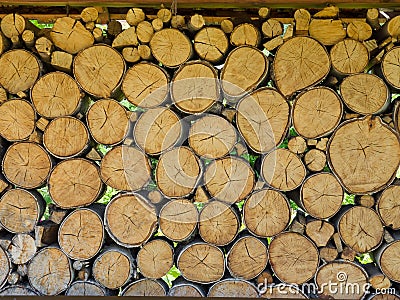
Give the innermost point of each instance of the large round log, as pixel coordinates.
(245, 34)
(5, 267)
(229, 179)
(391, 67)
(85, 288)
(364, 154)
(99, 70)
(293, 257)
(236, 288)
(388, 207)
(211, 44)
(17, 290)
(56, 94)
(349, 57)
(266, 213)
(75, 183)
(22, 248)
(121, 216)
(388, 260)
(185, 289)
(18, 120)
(145, 287)
(299, 63)
(26, 164)
(263, 119)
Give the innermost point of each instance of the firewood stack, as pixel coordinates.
(230, 152)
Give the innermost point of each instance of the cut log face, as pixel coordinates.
(245, 34)
(66, 137)
(13, 25)
(81, 234)
(85, 288)
(18, 120)
(75, 183)
(365, 93)
(341, 274)
(22, 248)
(50, 271)
(244, 69)
(26, 164)
(328, 32)
(384, 297)
(145, 85)
(155, 259)
(125, 168)
(290, 70)
(134, 16)
(178, 219)
(202, 263)
(320, 232)
(263, 119)
(349, 57)
(293, 257)
(20, 210)
(55, 95)
(107, 122)
(171, 47)
(234, 288)
(178, 172)
(359, 30)
(321, 195)
(247, 258)
(5, 268)
(283, 170)
(120, 216)
(212, 137)
(266, 213)
(15, 290)
(70, 35)
(145, 32)
(218, 223)
(113, 268)
(145, 287)
(388, 207)
(315, 160)
(229, 179)
(99, 70)
(20, 70)
(272, 28)
(185, 290)
(361, 229)
(389, 261)
(391, 67)
(211, 44)
(316, 112)
(153, 139)
(364, 154)
(126, 38)
(195, 87)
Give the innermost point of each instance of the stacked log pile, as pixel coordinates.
(229, 148)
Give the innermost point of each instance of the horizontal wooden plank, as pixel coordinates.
(210, 3)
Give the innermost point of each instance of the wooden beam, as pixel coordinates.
(211, 3)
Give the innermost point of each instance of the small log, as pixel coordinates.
(22, 248)
(46, 233)
(245, 34)
(328, 32)
(57, 214)
(328, 254)
(212, 137)
(262, 203)
(360, 229)
(196, 23)
(131, 54)
(99, 70)
(178, 22)
(185, 289)
(195, 87)
(388, 207)
(291, 252)
(390, 66)
(263, 12)
(74, 183)
(321, 195)
(89, 14)
(201, 263)
(387, 260)
(171, 47)
(373, 18)
(62, 61)
(274, 43)
(286, 175)
(98, 34)
(146, 85)
(81, 233)
(289, 33)
(234, 288)
(211, 44)
(70, 35)
(85, 288)
(365, 200)
(266, 110)
(13, 278)
(155, 197)
(134, 16)
(252, 72)
(272, 28)
(21, 74)
(359, 30)
(157, 24)
(377, 165)
(229, 179)
(28, 37)
(50, 271)
(155, 258)
(113, 267)
(297, 145)
(178, 219)
(17, 290)
(178, 172)
(114, 28)
(247, 257)
(227, 26)
(127, 38)
(107, 122)
(66, 137)
(289, 73)
(44, 47)
(200, 196)
(302, 20)
(315, 160)
(119, 216)
(146, 287)
(21, 210)
(330, 12)
(144, 52)
(3, 95)
(153, 139)
(26, 164)
(349, 57)
(164, 15)
(320, 232)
